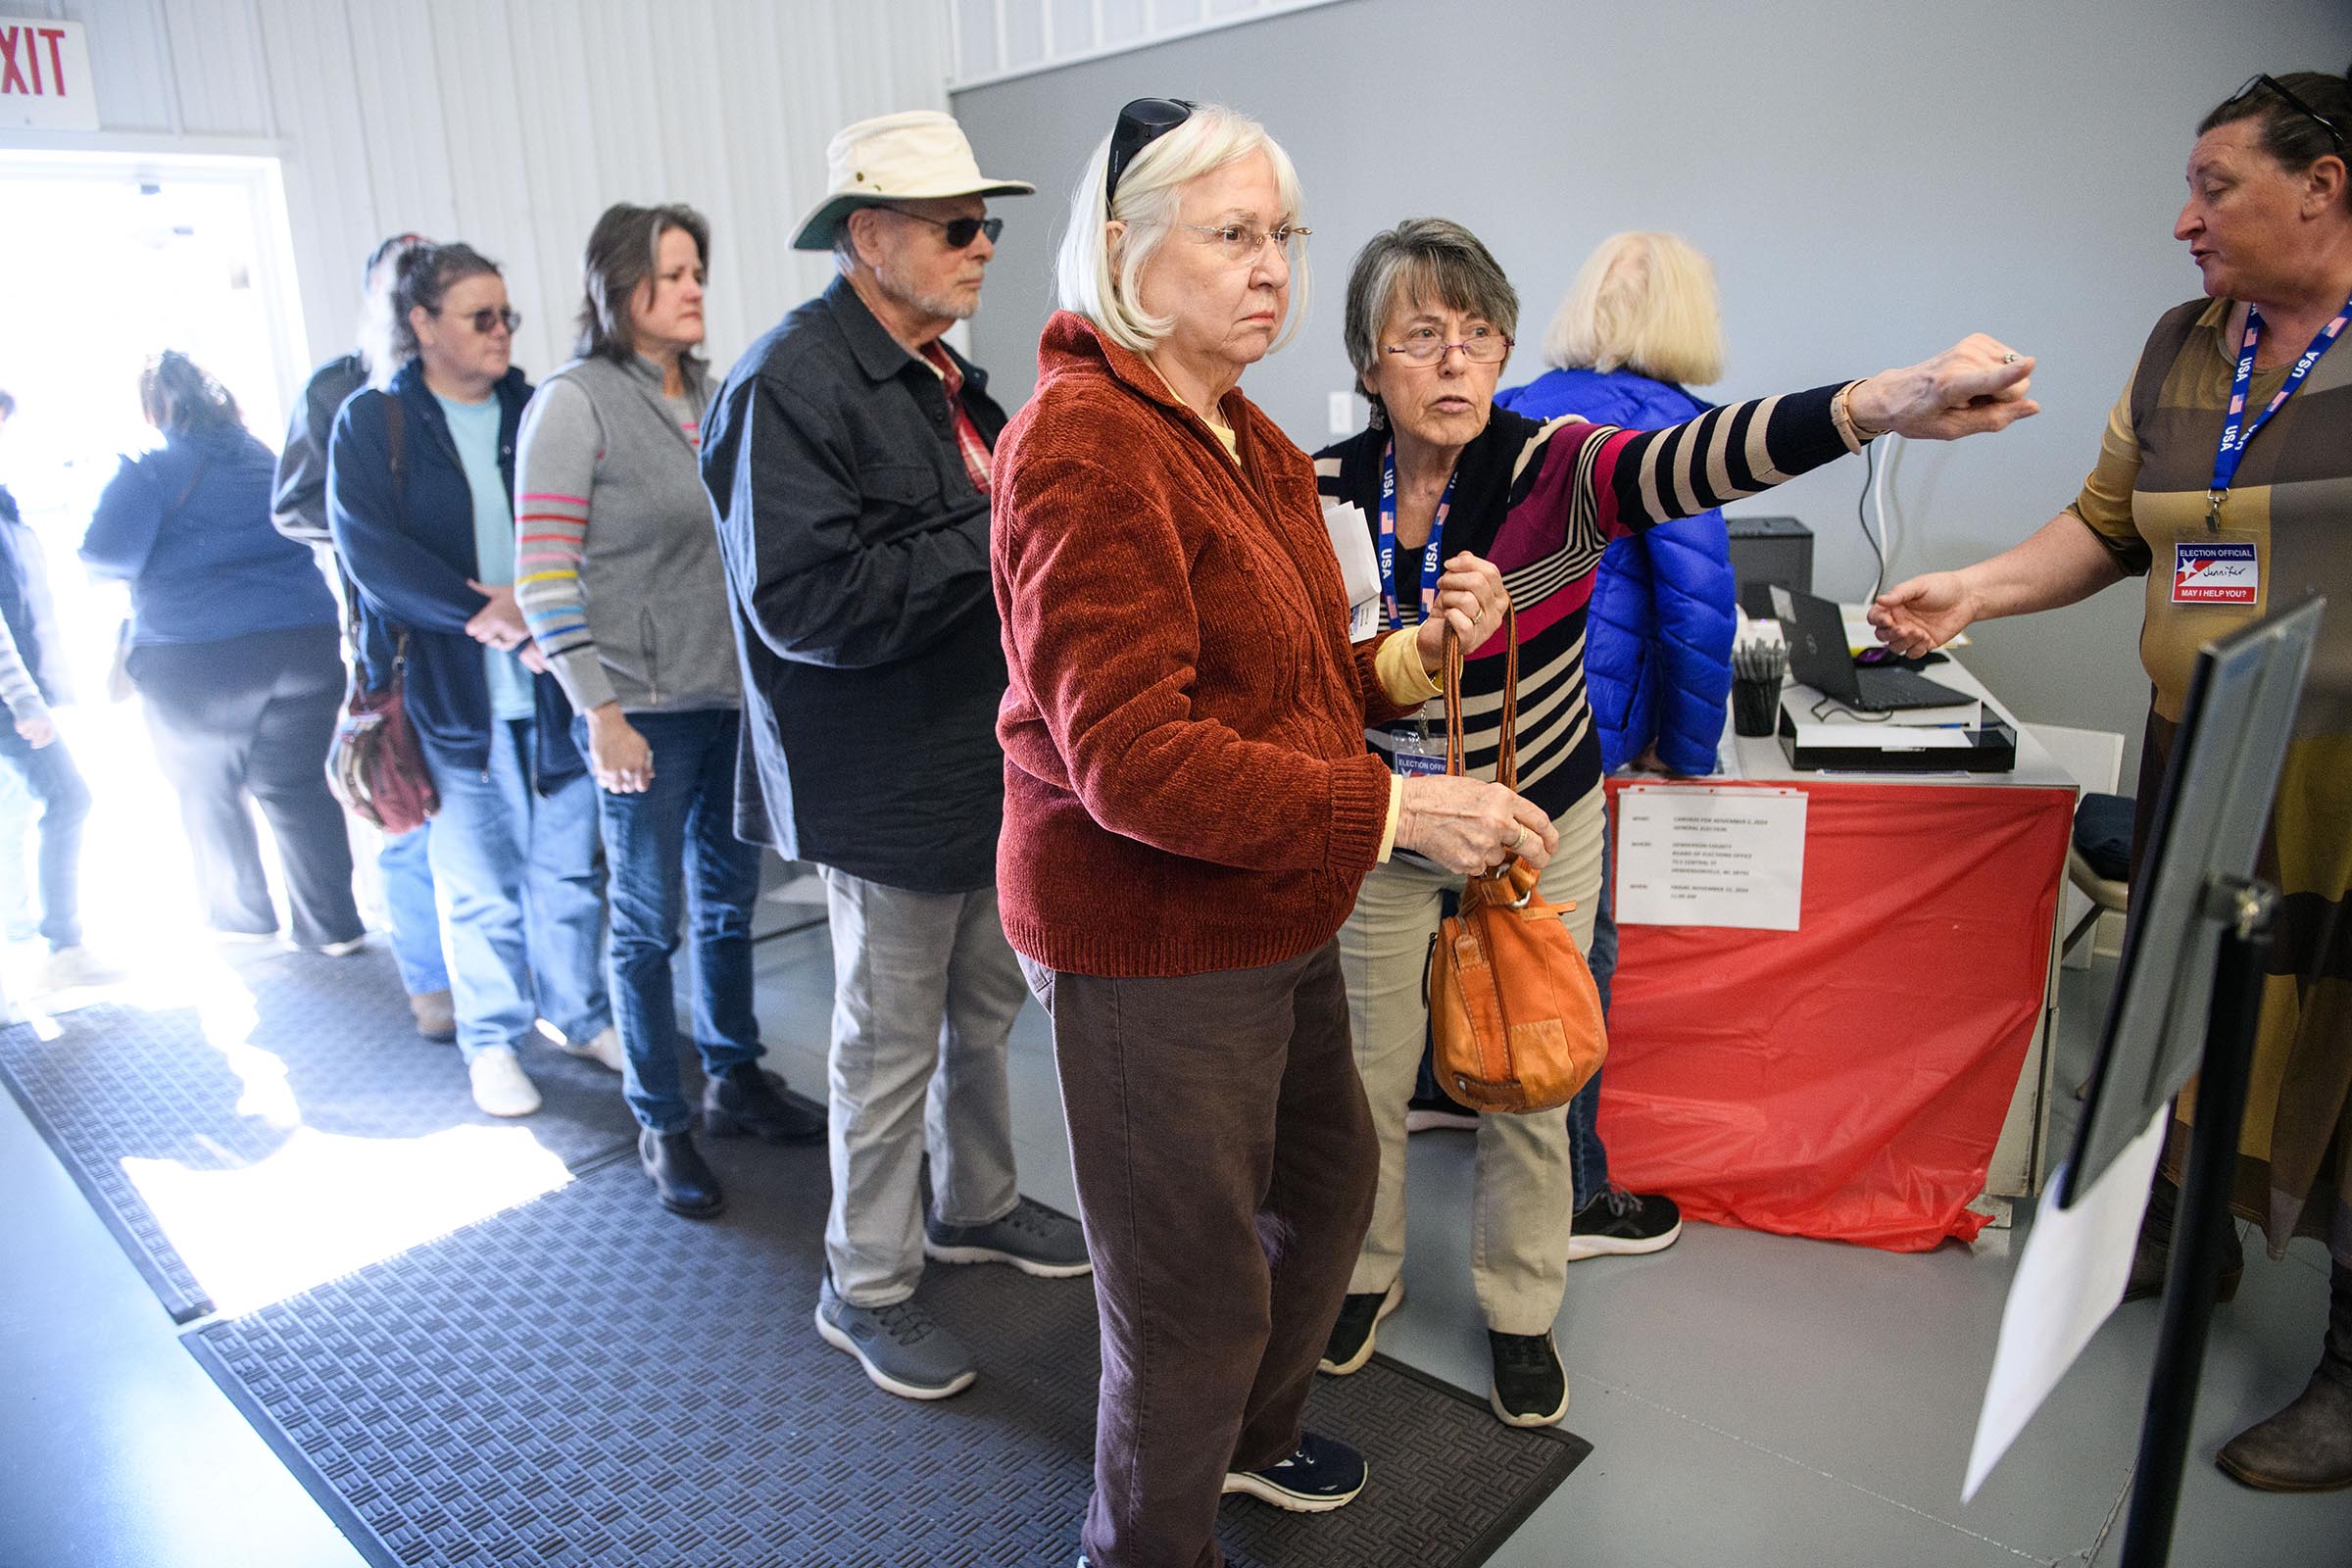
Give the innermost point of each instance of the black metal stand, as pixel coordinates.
(2198, 1228)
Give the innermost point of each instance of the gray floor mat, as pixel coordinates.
(588, 1381)
(121, 1083)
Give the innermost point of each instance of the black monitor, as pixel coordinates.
(2205, 835)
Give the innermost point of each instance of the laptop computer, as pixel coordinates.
(1818, 656)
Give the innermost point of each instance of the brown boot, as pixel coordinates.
(2308, 1446)
(2152, 1258)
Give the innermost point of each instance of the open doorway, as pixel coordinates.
(113, 258)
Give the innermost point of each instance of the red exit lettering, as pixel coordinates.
(14, 76)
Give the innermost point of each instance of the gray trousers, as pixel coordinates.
(1523, 1184)
(926, 988)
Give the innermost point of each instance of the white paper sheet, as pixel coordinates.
(1359, 567)
(1693, 855)
(1883, 737)
(2072, 1276)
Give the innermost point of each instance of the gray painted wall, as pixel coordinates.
(1872, 182)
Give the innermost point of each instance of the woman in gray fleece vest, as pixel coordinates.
(618, 573)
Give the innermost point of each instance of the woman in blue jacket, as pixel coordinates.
(1639, 323)
(420, 489)
(235, 656)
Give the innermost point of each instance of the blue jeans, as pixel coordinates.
(521, 901)
(20, 913)
(672, 852)
(406, 867)
(49, 774)
(1588, 1156)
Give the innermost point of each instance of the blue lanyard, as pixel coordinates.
(1433, 553)
(2237, 433)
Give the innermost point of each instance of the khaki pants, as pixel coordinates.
(1524, 1193)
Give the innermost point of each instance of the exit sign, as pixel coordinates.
(45, 76)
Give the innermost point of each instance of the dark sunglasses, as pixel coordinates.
(488, 320)
(959, 232)
(2335, 132)
(1141, 123)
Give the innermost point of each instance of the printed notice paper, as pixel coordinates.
(2072, 1276)
(1689, 855)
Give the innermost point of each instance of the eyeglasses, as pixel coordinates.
(1426, 345)
(1141, 123)
(1240, 243)
(959, 232)
(490, 318)
(2334, 132)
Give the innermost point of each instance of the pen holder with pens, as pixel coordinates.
(1759, 659)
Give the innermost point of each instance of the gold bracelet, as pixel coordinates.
(1844, 402)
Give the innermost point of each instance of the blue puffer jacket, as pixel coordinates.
(1658, 647)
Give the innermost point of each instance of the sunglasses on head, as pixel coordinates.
(2259, 79)
(958, 232)
(1141, 123)
(491, 317)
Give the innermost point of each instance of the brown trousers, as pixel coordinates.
(1226, 1164)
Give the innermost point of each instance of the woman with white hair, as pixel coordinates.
(1429, 326)
(1188, 811)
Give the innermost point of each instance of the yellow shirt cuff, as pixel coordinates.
(1401, 675)
(1388, 838)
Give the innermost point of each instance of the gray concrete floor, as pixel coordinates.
(1753, 1399)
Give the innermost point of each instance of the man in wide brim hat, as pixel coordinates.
(920, 155)
(848, 460)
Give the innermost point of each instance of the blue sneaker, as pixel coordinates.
(1323, 1474)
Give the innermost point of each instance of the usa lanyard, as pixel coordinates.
(2237, 433)
(1433, 553)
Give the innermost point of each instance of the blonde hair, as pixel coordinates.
(1645, 302)
(1150, 202)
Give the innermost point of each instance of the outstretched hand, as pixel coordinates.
(1923, 614)
(1976, 386)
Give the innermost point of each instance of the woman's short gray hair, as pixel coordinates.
(1099, 284)
(1430, 261)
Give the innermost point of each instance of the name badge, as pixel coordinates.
(1417, 751)
(2216, 571)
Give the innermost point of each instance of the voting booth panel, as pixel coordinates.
(1847, 1079)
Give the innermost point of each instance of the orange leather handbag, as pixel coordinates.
(1513, 1011)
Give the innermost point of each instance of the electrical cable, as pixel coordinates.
(1869, 474)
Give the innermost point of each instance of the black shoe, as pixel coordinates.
(681, 1181)
(1531, 1387)
(745, 1099)
(1322, 1475)
(1438, 1110)
(1619, 1224)
(1350, 1345)
(2152, 1254)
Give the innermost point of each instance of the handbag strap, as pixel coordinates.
(1506, 755)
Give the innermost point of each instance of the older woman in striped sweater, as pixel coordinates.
(620, 580)
(1430, 319)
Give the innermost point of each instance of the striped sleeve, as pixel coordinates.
(17, 686)
(555, 474)
(1601, 483)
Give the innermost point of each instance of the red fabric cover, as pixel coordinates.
(1848, 1079)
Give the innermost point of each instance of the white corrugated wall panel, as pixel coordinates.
(217, 63)
(513, 123)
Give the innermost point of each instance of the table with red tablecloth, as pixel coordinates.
(1847, 1079)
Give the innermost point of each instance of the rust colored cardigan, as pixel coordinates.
(1186, 783)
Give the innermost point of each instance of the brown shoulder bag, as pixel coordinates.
(1513, 1011)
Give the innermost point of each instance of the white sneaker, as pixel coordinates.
(499, 1085)
(342, 950)
(603, 1049)
(71, 967)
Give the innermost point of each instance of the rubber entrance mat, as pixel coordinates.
(589, 1380)
(286, 1122)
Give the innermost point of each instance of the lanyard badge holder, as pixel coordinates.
(1415, 751)
(2237, 433)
